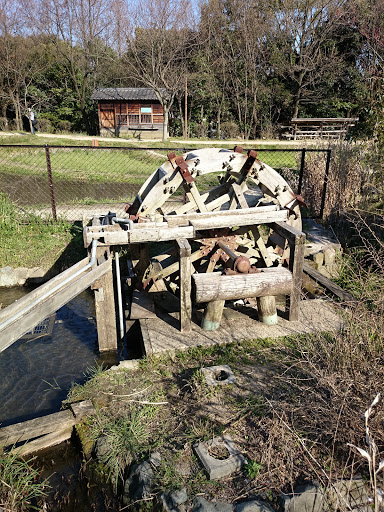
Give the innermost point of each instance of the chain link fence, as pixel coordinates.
(72, 182)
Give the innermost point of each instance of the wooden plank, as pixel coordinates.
(106, 311)
(15, 330)
(20, 304)
(37, 427)
(142, 306)
(286, 231)
(147, 345)
(185, 285)
(239, 220)
(82, 409)
(44, 442)
(215, 286)
(160, 234)
(328, 284)
(196, 197)
(239, 195)
(175, 219)
(261, 245)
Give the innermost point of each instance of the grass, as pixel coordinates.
(20, 488)
(28, 241)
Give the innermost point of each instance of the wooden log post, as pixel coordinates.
(296, 240)
(215, 286)
(212, 315)
(185, 285)
(105, 305)
(266, 307)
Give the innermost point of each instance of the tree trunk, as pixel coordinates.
(296, 103)
(165, 125)
(218, 120)
(181, 114)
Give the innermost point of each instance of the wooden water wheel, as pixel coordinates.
(244, 184)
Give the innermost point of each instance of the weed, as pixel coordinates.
(252, 469)
(19, 484)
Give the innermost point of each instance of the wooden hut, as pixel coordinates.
(131, 111)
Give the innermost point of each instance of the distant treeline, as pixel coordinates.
(249, 65)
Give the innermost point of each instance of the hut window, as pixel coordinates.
(122, 119)
(146, 110)
(133, 119)
(146, 118)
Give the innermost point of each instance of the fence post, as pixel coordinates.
(302, 164)
(50, 181)
(327, 164)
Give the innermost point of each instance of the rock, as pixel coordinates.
(139, 483)
(173, 501)
(305, 498)
(7, 277)
(254, 506)
(102, 447)
(349, 494)
(202, 505)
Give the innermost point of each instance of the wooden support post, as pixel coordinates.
(185, 285)
(266, 307)
(212, 315)
(105, 306)
(296, 262)
(296, 240)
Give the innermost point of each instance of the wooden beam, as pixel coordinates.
(185, 285)
(296, 262)
(105, 310)
(328, 284)
(16, 329)
(215, 286)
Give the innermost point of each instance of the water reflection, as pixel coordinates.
(35, 375)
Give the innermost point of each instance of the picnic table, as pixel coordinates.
(318, 127)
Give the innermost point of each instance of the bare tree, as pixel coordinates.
(161, 40)
(82, 32)
(305, 52)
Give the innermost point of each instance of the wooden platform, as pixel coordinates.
(162, 334)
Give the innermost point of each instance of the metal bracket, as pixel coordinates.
(183, 169)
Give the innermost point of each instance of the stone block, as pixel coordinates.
(305, 498)
(254, 506)
(202, 505)
(218, 375)
(215, 467)
(318, 259)
(7, 277)
(350, 494)
(329, 257)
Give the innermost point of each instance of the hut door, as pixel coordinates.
(108, 118)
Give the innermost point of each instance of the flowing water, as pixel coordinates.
(36, 374)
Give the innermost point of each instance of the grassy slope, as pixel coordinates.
(27, 241)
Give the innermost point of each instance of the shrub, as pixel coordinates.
(44, 125)
(354, 179)
(229, 130)
(64, 126)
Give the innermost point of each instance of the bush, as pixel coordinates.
(354, 180)
(64, 126)
(44, 125)
(229, 130)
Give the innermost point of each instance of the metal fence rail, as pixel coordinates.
(72, 181)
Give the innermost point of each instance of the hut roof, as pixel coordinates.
(125, 93)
